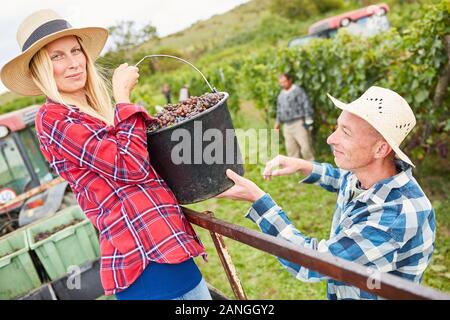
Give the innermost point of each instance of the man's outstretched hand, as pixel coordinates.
(243, 189)
(247, 190)
(282, 165)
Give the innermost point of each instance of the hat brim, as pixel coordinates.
(16, 75)
(344, 106)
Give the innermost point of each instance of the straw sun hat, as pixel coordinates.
(387, 112)
(37, 30)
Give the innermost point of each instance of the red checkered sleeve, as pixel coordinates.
(118, 152)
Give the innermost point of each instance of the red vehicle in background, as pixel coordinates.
(366, 21)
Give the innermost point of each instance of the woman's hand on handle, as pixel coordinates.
(282, 165)
(124, 79)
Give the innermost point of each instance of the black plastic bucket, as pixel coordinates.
(90, 285)
(200, 178)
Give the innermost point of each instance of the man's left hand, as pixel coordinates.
(243, 189)
(309, 122)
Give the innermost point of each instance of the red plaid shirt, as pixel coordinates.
(107, 167)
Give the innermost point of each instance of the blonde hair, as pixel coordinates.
(96, 88)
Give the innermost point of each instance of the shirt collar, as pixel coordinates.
(50, 100)
(380, 190)
(290, 89)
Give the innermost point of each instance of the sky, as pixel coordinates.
(168, 16)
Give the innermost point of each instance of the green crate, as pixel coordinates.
(72, 246)
(18, 275)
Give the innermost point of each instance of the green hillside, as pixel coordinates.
(215, 30)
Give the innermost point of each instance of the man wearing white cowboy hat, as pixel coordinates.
(382, 218)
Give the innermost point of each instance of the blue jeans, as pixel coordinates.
(200, 292)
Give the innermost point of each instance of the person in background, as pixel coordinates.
(295, 115)
(184, 93)
(166, 92)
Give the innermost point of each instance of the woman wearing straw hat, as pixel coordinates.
(147, 245)
(382, 219)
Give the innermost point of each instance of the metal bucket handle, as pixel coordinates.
(182, 60)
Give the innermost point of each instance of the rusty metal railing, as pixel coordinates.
(388, 286)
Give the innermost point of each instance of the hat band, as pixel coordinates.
(45, 30)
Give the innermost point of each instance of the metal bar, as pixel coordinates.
(227, 264)
(31, 193)
(365, 278)
(213, 89)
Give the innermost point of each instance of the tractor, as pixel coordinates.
(367, 21)
(23, 167)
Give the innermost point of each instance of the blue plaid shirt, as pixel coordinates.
(390, 227)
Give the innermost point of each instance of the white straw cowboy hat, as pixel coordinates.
(387, 112)
(37, 30)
